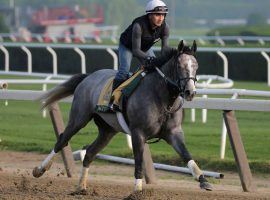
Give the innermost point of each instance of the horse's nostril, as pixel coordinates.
(187, 92)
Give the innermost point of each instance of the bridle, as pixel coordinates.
(175, 88)
(183, 86)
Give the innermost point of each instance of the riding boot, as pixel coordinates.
(116, 83)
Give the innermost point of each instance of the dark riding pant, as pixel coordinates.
(125, 58)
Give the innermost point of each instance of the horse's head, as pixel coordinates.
(187, 66)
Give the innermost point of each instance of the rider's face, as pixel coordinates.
(157, 18)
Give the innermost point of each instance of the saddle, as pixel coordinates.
(121, 94)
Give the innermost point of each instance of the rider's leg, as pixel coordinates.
(125, 57)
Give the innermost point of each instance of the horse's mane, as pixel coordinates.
(167, 60)
(169, 53)
(165, 56)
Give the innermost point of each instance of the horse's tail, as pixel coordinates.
(61, 91)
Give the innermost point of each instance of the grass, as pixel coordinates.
(22, 128)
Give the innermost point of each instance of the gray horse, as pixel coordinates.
(152, 112)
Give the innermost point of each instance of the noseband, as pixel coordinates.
(176, 88)
(182, 87)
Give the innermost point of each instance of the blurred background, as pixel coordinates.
(186, 17)
(212, 23)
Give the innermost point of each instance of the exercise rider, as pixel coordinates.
(138, 39)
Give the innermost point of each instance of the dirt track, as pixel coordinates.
(110, 181)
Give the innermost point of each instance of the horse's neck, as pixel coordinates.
(157, 82)
(170, 69)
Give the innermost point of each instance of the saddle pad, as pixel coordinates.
(104, 97)
(124, 90)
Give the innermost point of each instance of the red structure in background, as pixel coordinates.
(68, 23)
(66, 15)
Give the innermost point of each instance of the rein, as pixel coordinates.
(175, 89)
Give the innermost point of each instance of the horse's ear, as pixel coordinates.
(194, 47)
(181, 46)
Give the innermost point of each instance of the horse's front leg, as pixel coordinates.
(45, 165)
(138, 142)
(176, 139)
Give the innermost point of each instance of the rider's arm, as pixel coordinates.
(165, 38)
(136, 42)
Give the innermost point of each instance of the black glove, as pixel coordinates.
(150, 63)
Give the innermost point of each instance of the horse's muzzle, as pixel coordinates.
(189, 94)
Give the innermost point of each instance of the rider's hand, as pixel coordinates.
(150, 63)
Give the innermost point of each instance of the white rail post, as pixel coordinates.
(224, 134)
(39, 38)
(225, 63)
(44, 88)
(266, 56)
(201, 41)
(6, 101)
(204, 111)
(5, 51)
(114, 34)
(83, 65)
(115, 59)
(193, 115)
(29, 59)
(261, 41)
(220, 41)
(54, 60)
(240, 41)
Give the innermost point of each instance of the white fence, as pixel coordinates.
(223, 40)
(197, 103)
(227, 105)
(110, 32)
(110, 49)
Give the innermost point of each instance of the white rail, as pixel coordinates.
(83, 63)
(225, 63)
(5, 51)
(54, 59)
(110, 48)
(32, 81)
(29, 59)
(115, 58)
(198, 102)
(266, 56)
(113, 36)
(79, 155)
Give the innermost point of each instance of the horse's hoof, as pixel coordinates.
(206, 186)
(38, 172)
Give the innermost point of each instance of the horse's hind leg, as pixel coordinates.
(78, 119)
(106, 133)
